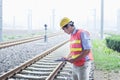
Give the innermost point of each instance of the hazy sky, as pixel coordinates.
(42, 11)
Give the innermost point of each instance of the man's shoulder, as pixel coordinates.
(85, 35)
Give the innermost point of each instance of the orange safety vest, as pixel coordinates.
(76, 49)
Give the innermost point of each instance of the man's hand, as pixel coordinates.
(64, 58)
(70, 60)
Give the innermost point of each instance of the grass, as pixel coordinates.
(22, 35)
(105, 58)
(14, 37)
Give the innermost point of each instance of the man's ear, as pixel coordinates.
(71, 23)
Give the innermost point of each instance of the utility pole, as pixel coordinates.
(102, 18)
(29, 20)
(94, 14)
(53, 18)
(13, 22)
(118, 20)
(0, 20)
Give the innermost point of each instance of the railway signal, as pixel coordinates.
(45, 36)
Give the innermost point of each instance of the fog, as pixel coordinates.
(33, 14)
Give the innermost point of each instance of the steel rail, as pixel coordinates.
(17, 42)
(55, 71)
(30, 62)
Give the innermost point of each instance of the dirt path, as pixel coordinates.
(104, 75)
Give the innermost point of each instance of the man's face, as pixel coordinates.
(68, 29)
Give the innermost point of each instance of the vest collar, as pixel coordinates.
(74, 31)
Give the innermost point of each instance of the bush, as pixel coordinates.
(113, 42)
(104, 57)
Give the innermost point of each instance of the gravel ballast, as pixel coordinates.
(15, 55)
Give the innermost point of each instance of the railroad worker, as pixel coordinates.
(80, 51)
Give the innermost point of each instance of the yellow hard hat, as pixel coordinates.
(64, 22)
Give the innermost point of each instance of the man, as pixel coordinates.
(80, 51)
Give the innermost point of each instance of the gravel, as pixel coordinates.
(13, 56)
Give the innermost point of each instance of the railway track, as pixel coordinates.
(42, 67)
(21, 41)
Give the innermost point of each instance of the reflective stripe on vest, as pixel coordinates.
(75, 56)
(75, 49)
(75, 41)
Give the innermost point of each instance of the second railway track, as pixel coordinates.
(42, 67)
(17, 42)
